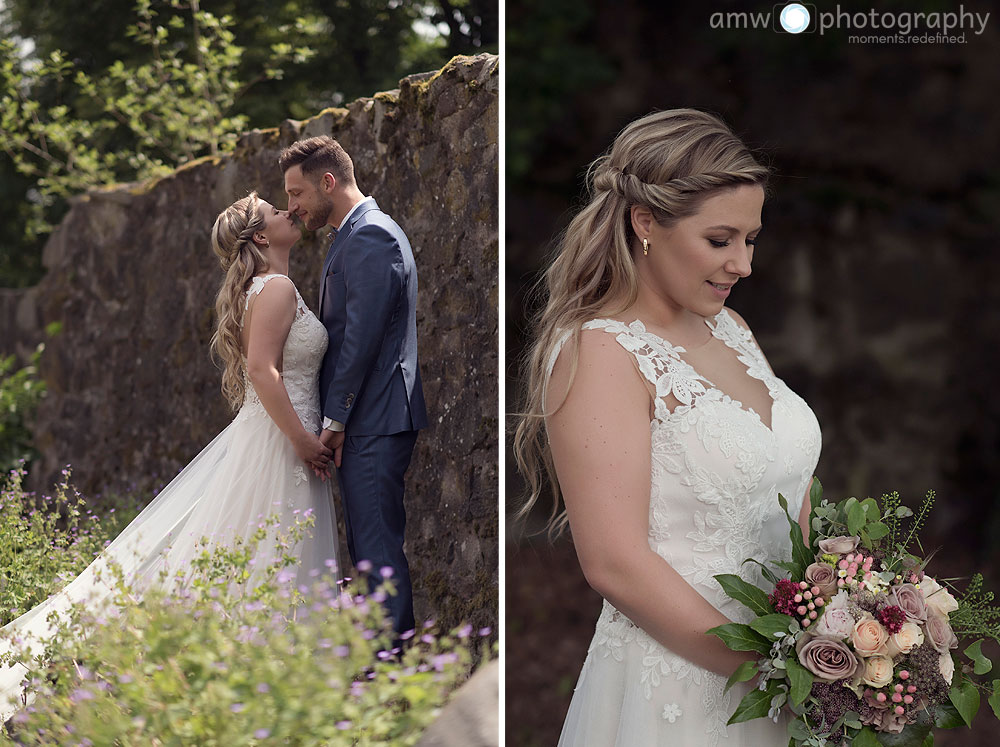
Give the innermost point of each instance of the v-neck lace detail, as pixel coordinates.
(661, 364)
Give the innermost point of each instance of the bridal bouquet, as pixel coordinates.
(858, 640)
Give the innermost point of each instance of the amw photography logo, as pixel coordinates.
(863, 26)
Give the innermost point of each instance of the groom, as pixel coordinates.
(370, 392)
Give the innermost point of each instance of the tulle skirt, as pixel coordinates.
(636, 693)
(248, 473)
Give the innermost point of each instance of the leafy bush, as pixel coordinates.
(45, 541)
(20, 392)
(238, 656)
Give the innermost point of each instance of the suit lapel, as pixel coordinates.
(338, 244)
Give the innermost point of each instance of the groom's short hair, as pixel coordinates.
(316, 156)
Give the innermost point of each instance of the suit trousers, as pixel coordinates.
(371, 490)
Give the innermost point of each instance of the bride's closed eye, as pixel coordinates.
(721, 244)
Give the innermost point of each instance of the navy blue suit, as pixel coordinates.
(370, 381)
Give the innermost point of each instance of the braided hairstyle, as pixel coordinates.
(241, 259)
(669, 162)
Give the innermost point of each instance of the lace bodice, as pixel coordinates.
(716, 471)
(302, 357)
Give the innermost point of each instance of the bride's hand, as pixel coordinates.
(312, 451)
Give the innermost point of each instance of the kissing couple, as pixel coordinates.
(342, 387)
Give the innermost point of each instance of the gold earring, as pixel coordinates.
(645, 247)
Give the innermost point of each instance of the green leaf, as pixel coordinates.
(865, 738)
(982, 663)
(764, 570)
(744, 672)
(994, 700)
(746, 594)
(946, 716)
(965, 697)
(801, 680)
(800, 553)
(815, 492)
(755, 704)
(929, 740)
(913, 736)
(740, 637)
(790, 567)
(855, 518)
(768, 625)
(903, 511)
(877, 530)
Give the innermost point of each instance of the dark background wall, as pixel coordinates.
(132, 393)
(874, 291)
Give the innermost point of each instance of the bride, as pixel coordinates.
(268, 463)
(653, 412)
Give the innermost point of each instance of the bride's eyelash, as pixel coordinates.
(721, 244)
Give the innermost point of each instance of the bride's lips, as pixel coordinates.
(721, 289)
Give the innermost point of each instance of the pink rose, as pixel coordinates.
(870, 638)
(823, 576)
(828, 658)
(938, 632)
(839, 545)
(836, 622)
(910, 600)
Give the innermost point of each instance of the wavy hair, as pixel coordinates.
(669, 162)
(241, 259)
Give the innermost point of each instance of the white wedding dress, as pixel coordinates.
(249, 472)
(717, 470)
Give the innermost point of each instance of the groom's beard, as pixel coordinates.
(324, 208)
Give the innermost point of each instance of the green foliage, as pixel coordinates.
(20, 393)
(976, 614)
(740, 637)
(233, 658)
(45, 541)
(755, 704)
(746, 594)
(801, 556)
(174, 107)
(800, 679)
(965, 697)
(744, 672)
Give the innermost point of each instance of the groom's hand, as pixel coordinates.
(334, 440)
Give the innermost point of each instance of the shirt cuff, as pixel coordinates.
(329, 424)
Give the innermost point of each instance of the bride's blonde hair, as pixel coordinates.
(670, 162)
(241, 259)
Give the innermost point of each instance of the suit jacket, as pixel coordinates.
(370, 379)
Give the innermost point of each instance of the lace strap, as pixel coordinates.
(257, 284)
(658, 360)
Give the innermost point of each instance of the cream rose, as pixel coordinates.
(869, 636)
(947, 666)
(938, 597)
(909, 635)
(878, 671)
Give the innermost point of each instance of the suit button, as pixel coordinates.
(350, 400)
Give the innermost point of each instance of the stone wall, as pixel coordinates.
(133, 394)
